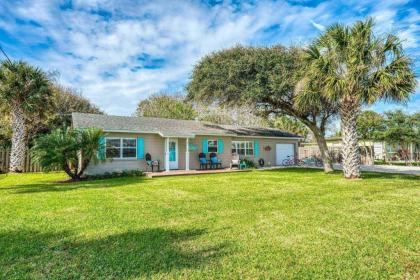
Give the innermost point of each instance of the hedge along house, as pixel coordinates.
(176, 144)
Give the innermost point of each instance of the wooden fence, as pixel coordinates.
(335, 151)
(5, 160)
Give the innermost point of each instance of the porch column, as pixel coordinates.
(187, 155)
(167, 154)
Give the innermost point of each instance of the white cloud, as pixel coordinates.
(318, 26)
(96, 45)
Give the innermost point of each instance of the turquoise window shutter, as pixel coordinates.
(140, 148)
(220, 146)
(100, 154)
(205, 144)
(256, 148)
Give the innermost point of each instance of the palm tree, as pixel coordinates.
(354, 67)
(26, 91)
(69, 150)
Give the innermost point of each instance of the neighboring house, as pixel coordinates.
(379, 150)
(177, 143)
(396, 151)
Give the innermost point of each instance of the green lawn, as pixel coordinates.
(282, 224)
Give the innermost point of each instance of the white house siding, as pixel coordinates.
(269, 157)
(154, 144)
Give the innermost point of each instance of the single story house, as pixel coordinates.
(178, 143)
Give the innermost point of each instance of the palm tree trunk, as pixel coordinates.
(69, 172)
(19, 134)
(85, 164)
(323, 148)
(350, 150)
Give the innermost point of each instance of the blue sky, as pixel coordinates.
(119, 53)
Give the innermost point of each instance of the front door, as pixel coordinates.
(173, 154)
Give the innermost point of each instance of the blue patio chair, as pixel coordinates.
(214, 161)
(203, 161)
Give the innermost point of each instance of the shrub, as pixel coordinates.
(69, 149)
(249, 163)
(108, 175)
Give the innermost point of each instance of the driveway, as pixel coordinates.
(412, 170)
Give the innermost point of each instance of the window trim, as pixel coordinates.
(121, 148)
(217, 145)
(246, 142)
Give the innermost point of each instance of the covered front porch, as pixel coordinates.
(182, 152)
(176, 154)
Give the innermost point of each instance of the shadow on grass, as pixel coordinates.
(365, 174)
(377, 175)
(297, 170)
(127, 255)
(62, 187)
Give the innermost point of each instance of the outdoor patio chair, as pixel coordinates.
(151, 164)
(203, 161)
(214, 161)
(235, 161)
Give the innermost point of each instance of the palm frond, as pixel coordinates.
(353, 63)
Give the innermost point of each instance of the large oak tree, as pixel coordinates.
(265, 78)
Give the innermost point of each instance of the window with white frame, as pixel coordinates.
(121, 147)
(212, 146)
(243, 148)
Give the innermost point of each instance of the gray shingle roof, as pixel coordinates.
(170, 127)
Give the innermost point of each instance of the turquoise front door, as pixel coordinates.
(173, 154)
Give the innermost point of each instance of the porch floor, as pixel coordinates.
(192, 172)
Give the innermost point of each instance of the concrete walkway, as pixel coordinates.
(411, 170)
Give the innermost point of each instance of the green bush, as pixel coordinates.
(70, 149)
(108, 175)
(249, 163)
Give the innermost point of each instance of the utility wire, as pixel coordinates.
(4, 53)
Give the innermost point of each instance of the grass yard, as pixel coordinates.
(280, 224)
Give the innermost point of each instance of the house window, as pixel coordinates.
(243, 148)
(129, 148)
(212, 146)
(121, 147)
(113, 148)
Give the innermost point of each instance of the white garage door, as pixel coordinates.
(282, 151)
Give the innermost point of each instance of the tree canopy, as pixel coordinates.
(265, 78)
(370, 125)
(169, 106)
(67, 101)
(25, 86)
(234, 115)
(292, 125)
(401, 128)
